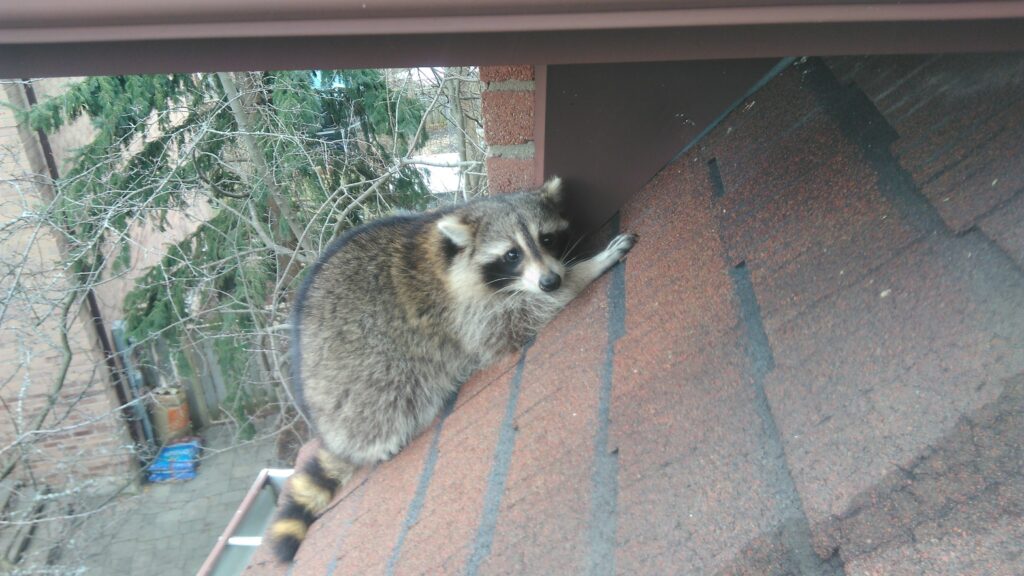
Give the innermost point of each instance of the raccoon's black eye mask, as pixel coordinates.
(503, 271)
(555, 243)
(513, 256)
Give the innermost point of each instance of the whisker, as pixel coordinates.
(500, 279)
(576, 260)
(566, 253)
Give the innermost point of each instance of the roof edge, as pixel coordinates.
(26, 33)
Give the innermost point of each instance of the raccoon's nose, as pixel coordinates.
(550, 281)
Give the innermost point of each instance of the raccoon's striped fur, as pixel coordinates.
(309, 493)
(396, 314)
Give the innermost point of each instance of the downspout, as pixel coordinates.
(135, 430)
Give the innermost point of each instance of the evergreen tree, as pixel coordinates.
(282, 162)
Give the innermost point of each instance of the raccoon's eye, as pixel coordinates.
(547, 240)
(512, 256)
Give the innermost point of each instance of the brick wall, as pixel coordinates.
(87, 440)
(511, 127)
(96, 445)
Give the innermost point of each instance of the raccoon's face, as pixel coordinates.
(509, 244)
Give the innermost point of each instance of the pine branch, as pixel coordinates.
(278, 202)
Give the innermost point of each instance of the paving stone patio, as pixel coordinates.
(168, 529)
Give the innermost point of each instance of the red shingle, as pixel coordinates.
(956, 509)
(441, 539)
(542, 524)
(1004, 227)
(961, 124)
(371, 537)
(693, 495)
(870, 377)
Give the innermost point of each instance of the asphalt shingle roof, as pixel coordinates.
(813, 361)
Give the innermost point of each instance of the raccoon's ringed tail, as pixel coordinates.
(309, 493)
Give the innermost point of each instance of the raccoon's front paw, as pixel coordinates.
(620, 246)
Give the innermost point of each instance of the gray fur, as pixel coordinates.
(389, 323)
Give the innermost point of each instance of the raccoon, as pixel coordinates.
(397, 313)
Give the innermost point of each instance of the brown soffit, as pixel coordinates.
(47, 37)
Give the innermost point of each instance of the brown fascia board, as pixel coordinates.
(73, 37)
(102, 20)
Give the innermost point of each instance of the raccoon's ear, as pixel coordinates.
(552, 191)
(456, 229)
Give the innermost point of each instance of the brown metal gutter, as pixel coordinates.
(250, 517)
(65, 37)
(218, 548)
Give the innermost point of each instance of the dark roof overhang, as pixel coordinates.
(73, 37)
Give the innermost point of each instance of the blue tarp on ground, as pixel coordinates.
(176, 462)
